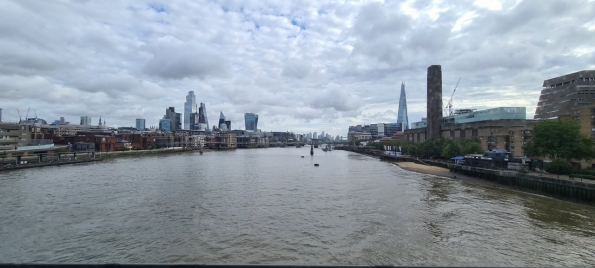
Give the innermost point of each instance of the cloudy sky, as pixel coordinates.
(301, 65)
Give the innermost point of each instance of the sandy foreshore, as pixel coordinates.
(431, 170)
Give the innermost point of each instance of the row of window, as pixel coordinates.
(582, 79)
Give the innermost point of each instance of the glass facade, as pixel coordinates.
(140, 124)
(85, 120)
(251, 121)
(189, 108)
(402, 117)
(165, 125)
(202, 116)
(500, 113)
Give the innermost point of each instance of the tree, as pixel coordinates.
(559, 167)
(471, 146)
(452, 149)
(560, 139)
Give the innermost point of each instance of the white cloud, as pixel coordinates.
(304, 66)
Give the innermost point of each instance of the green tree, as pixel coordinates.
(559, 167)
(560, 139)
(471, 146)
(451, 149)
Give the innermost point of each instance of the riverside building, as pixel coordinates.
(563, 94)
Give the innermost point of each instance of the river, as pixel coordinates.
(270, 206)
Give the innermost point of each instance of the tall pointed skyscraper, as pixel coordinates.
(402, 117)
(189, 108)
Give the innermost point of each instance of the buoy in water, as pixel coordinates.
(316, 165)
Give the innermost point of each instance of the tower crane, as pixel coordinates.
(449, 105)
(19, 113)
(27, 115)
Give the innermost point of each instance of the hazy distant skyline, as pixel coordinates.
(302, 66)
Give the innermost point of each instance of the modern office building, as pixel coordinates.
(221, 118)
(0, 114)
(223, 121)
(561, 95)
(251, 121)
(194, 121)
(202, 116)
(189, 108)
(391, 128)
(140, 124)
(402, 117)
(85, 120)
(165, 125)
(176, 124)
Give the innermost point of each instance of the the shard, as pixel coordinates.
(402, 117)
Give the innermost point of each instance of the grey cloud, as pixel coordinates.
(296, 69)
(341, 64)
(506, 56)
(174, 59)
(333, 96)
(373, 22)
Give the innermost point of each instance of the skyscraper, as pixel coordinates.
(221, 118)
(194, 121)
(85, 120)
(202, 116)
(0, 114)
(189, 108)
(140, 124)
(402, 117)
(176, 124)
(165, 125)
(251, 120)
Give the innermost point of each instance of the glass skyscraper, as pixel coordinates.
(85, 120)
(140, 124)
(202, 116)
(170, 113)
(402, 117)
(189, 108)
(251, 121)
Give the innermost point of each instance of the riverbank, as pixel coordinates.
(430, 170)
(554, 186)
(47, 164)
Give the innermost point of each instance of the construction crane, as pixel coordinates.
(27, 115)
(19, 113)
(449, 105)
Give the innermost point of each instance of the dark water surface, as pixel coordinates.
(269, 206)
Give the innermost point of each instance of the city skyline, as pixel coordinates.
(126, 63)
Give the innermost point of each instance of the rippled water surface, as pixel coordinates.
(269, 206)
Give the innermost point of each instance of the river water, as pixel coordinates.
(270, 206)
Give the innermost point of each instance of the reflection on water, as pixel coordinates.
(270, 206)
